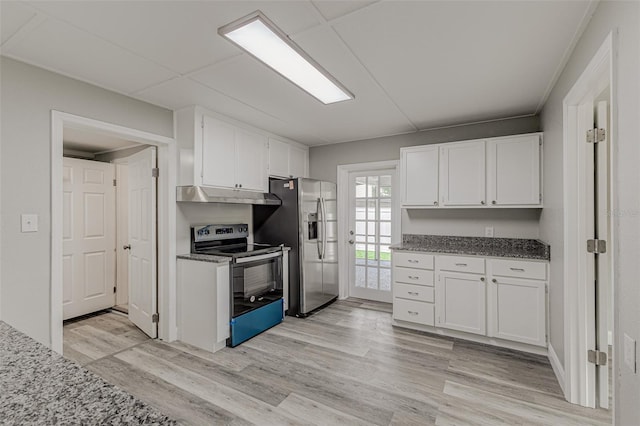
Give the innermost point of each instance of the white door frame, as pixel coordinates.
(167, 153)
(343, 214)
(577, 326)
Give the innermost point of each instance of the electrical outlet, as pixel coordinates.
(488, 231)
(630, 352)
(29, 223)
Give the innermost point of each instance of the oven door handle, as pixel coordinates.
(248, 259)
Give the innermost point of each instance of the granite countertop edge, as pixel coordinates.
(400, 247)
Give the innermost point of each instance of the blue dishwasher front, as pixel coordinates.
(248, 325)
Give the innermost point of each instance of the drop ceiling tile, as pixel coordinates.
(335, 9)
(13, 15)
(180, 35)
(447, 62)
(370, 114)
(182, 92)
(60, 47)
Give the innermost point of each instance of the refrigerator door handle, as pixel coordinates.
(319, 241)
(324, 227)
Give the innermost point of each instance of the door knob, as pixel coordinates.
(350, 232)
(351, 241)
(127, 247)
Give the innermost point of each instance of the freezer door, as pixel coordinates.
(311, 293)
(330, 243)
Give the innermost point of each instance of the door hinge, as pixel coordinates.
(155, 172)
(596, 135)
(155, 318)
(114, 182)
(596, 246)
(597, 357)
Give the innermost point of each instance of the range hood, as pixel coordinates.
(202, 194)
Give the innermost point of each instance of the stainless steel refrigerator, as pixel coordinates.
(307, 222)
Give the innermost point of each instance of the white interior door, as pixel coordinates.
(88, 265)
(604, 308)
(143, 290)
(372, 223)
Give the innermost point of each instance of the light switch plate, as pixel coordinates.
(29, 223)
(630, 352)
(488, 231)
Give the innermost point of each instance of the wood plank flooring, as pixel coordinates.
(343, 365)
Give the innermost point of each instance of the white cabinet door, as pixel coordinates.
(251, 166)
(461, 302)
(518, 310)
(298, 160)
(513, 171)
(278, 158)
(419, 176)
(218, 153)
(462, 180)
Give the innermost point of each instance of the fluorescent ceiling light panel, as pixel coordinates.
(266, 42)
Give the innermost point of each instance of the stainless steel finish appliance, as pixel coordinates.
(306, 222)
(201, 194)
(256, 277)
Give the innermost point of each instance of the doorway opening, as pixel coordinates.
(367, 208)
(109, 231)
(589, 252)
(151, 178)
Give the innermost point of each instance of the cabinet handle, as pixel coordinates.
(482, 279)
(435, 203)
(240, 185)
(482, 202)
(412, 277)
(494, 202)
(494, 280)
(414, 293)
(412, 312)
(517, 269)
(413, 261)
(461, 264)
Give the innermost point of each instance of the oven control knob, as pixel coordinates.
(252, 299)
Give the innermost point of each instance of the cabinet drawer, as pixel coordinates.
(413, 292)
(473, 265)
(519, 269)
(413, 276)
(412, 311)
(413, 260)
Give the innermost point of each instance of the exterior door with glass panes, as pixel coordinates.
(371, 227)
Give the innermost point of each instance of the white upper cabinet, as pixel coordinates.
(463, 174)
(287, 160)
(419, 176)
(233, 157)
(486, 173)
(513, 171)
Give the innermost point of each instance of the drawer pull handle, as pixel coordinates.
(461, 264)
(413, 277)
(414, 293)
(517, 269)
(412, 312)
(413, 261)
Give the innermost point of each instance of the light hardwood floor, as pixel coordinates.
(343, 365)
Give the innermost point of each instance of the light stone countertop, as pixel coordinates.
(40, 387)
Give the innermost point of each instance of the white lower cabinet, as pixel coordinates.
(502, 300)
(461, 302)
(203, 304)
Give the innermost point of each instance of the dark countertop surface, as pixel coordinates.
(205, 258)
(40, 387)
(516, 248)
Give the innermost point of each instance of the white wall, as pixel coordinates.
(623, 18)
(28, 95)
(512, 223)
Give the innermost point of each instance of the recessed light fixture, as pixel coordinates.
(260, 37)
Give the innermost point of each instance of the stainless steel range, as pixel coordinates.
(256, 277)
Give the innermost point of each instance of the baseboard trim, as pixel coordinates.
(557, 368)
